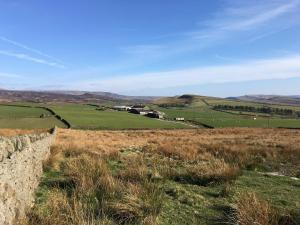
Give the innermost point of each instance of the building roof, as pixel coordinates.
(141, 110)
(121, 106)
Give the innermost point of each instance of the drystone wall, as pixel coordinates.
(21, 160)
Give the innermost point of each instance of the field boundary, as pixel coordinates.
(21, 164)
(56, 116)
(53, 113)
(200, 123)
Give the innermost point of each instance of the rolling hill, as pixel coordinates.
(271, 99)
(69, 96)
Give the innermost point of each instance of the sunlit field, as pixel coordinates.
(220, 176)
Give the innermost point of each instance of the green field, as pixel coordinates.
(7, 111)
(205, 115)
(87, 117)
(220, 101)
(30, 123)
(197, 111)
(26, 118)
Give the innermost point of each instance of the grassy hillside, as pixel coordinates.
(87, 117)
(200, 110)
(220, 101)
(177, 177)
(21, 112)
(27, 118)
(214, 118)
(272, 99)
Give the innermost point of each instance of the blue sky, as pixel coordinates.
(157, 47)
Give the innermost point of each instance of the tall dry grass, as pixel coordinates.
(14, 132)
(95, 195)
(214, 171)
(240, 146)
(250, 209)
(126, 191)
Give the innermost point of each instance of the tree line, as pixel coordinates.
(264, 109)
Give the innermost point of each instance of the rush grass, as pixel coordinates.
(168, 177)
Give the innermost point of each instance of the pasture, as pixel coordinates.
(207, 116)
(221, 101)
(196, 110)
(21, 117)
(87, 117)
(199, 111)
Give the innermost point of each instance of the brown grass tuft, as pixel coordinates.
(245, 147)
(116, 177)
(252, 210)
(90, 174)
(133, 169)
(212, 172)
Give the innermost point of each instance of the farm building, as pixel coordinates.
(138, 106)
(121, 108)
(179, 119)
(156, 114)
(140, 111)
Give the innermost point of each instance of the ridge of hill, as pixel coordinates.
(271, 99)
(69, 96)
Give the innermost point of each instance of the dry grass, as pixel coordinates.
(243, 147)
(214, 171)
(250, 209)
(14, 132)
(60, 209)
(134, 169)
(113, 176)
(96, 196)
(139, 205)
(90, 174)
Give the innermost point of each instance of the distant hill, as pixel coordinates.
(271, 99)
(113, 98)
(105, 94)
(69, 96)
(184, 100)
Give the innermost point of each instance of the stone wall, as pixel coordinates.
(21, 161)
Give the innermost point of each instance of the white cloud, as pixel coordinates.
(10, 75)
(32, 59)
(251, 16)
(235, 19)
(20, 45)
(274, 68)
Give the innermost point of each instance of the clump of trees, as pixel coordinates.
(264, 109)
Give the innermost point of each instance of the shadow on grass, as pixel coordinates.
(226, 216)
(201, 181)
(59, 183)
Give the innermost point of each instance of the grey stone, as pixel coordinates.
(21, 161)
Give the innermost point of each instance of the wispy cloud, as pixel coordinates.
(143, 49)
(10, 75)
(32, 59)
(43, 57)
(266, 34)
(244, 17)
(274, 68)
(237, 17)
(18, 44)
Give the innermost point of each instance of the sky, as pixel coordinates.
(159, 47)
